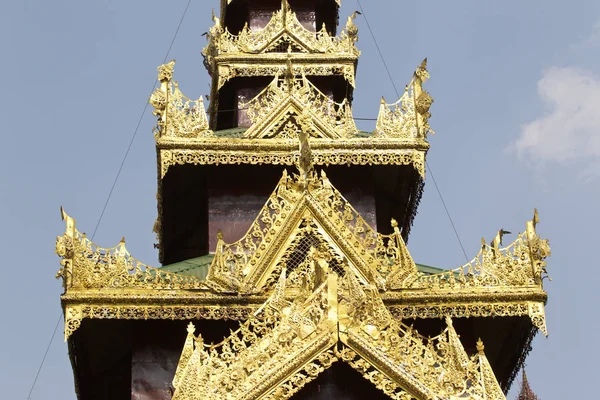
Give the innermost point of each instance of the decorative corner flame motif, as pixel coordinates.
(178, 116)
(408, 118)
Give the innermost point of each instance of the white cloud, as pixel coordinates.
(569, 131)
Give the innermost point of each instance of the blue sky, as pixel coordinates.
(517, 93)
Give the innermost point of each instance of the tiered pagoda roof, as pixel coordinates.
(312, 282)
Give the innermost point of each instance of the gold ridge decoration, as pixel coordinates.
(407, 118)
(519, 264)
(283, 29)
(87, 266)
(285, 100)
(178, 116)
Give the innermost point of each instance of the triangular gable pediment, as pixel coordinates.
(287, 118)
(289, 343)
(247, 266)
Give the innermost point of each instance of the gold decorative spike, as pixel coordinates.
(186, 354)
(487, 378)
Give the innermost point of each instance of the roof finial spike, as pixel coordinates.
(480, 347)
(351, 28)
(191, 328)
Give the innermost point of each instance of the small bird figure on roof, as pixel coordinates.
(351, 28)
(503, 232)
(498, 239)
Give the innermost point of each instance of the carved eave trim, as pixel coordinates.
(229, 66)
(187, 305)
(284, 152)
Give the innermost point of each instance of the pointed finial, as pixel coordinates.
(536, 217)
(122, 240)
(219, 235)
(191, 328)
(394, 223)
(165, 71)
(383, 100)
(351, 28)
(480, 347)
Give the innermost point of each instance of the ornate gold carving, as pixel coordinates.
(288, 343)
(408, 117)
(87, 266)
(273, 354)
(178, 116)
(283, 31)
(519, 264)
(313, 216)
(282, 153)
(289, 97)
(273, 66)
(75, 313)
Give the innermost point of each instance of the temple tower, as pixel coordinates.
(282, 231)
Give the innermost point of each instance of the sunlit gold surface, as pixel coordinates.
(258, 52)
(286, 344)
(345, 298)
(110, 283)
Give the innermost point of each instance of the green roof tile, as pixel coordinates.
(199, 267)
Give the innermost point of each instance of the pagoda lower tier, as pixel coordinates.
(307, 240)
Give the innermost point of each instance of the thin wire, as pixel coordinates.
(60, 317)
(44, 358)
(446, 208)
(138, 125)
(378, 49)
(426, 163)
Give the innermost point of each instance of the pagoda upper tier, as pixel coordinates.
(287, 105)
(278, 70)
(257, 39)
